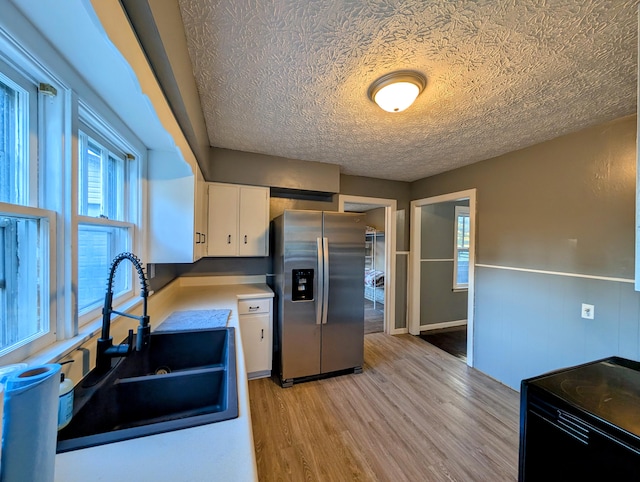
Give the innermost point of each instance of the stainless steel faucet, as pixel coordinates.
(106, 350)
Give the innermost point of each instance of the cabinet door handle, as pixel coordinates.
(229, 239)
(262, 334)
(245, 239)
(204, 238)
(198, 238)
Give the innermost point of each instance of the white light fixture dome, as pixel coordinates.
(396, 91)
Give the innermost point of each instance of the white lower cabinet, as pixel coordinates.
(256, 332)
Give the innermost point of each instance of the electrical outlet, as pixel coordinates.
(588, 311)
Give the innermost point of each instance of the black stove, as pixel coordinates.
(584, 420)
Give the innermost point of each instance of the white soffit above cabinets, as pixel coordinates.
(290, 78)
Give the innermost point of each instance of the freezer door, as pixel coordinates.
(300, 321)
(343, 332)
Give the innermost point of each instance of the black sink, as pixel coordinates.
(184, 379)
(173, 351)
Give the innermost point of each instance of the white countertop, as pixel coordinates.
(218, 451)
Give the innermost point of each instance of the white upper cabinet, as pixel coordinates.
(223, 220)
(238, 222)
(177, 210)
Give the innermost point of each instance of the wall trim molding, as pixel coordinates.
(438, 259)
(441, 325)
(557, 273)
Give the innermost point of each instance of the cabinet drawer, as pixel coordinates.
(246, 307)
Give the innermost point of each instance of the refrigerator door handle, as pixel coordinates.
(325, 279)
(319, 283)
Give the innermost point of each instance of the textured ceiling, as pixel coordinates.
(289, 78)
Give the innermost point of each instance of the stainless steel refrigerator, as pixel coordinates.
(319, 281)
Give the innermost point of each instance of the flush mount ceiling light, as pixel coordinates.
(396, 91)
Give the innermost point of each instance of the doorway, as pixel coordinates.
(440, 261)
(379, 276)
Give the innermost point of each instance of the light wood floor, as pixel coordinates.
(373, 318)
(416, 413)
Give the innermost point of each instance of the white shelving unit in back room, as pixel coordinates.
(372, 291)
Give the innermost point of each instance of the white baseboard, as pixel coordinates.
(399, 331)
(444, 324)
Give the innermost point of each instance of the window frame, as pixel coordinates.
(23, 72)
(33, 345)
(23, 82)
(460, 211)
(94, 127)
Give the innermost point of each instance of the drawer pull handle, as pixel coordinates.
(253, 308)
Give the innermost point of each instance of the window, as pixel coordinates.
(461, 248)
(70, 197)
(103, 227)
(25, 230)
(24, 276)
(18, 119)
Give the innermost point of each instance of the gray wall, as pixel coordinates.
(375, 218)
(438, 301)
(555, 222)
(385, 189)
(240, 167)
(402, 274)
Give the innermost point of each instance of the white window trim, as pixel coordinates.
(459, 211)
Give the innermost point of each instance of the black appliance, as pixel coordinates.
(581, 423)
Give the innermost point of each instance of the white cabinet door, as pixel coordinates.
(201, 210)
(223, 220)
(175, 198)
(238, 220)
(254, 221)
(256, 341)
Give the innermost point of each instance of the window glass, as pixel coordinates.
(101, 181)
(23, 275)
(461, 248)
(14, 133)
(97, 246)
(463, 268)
